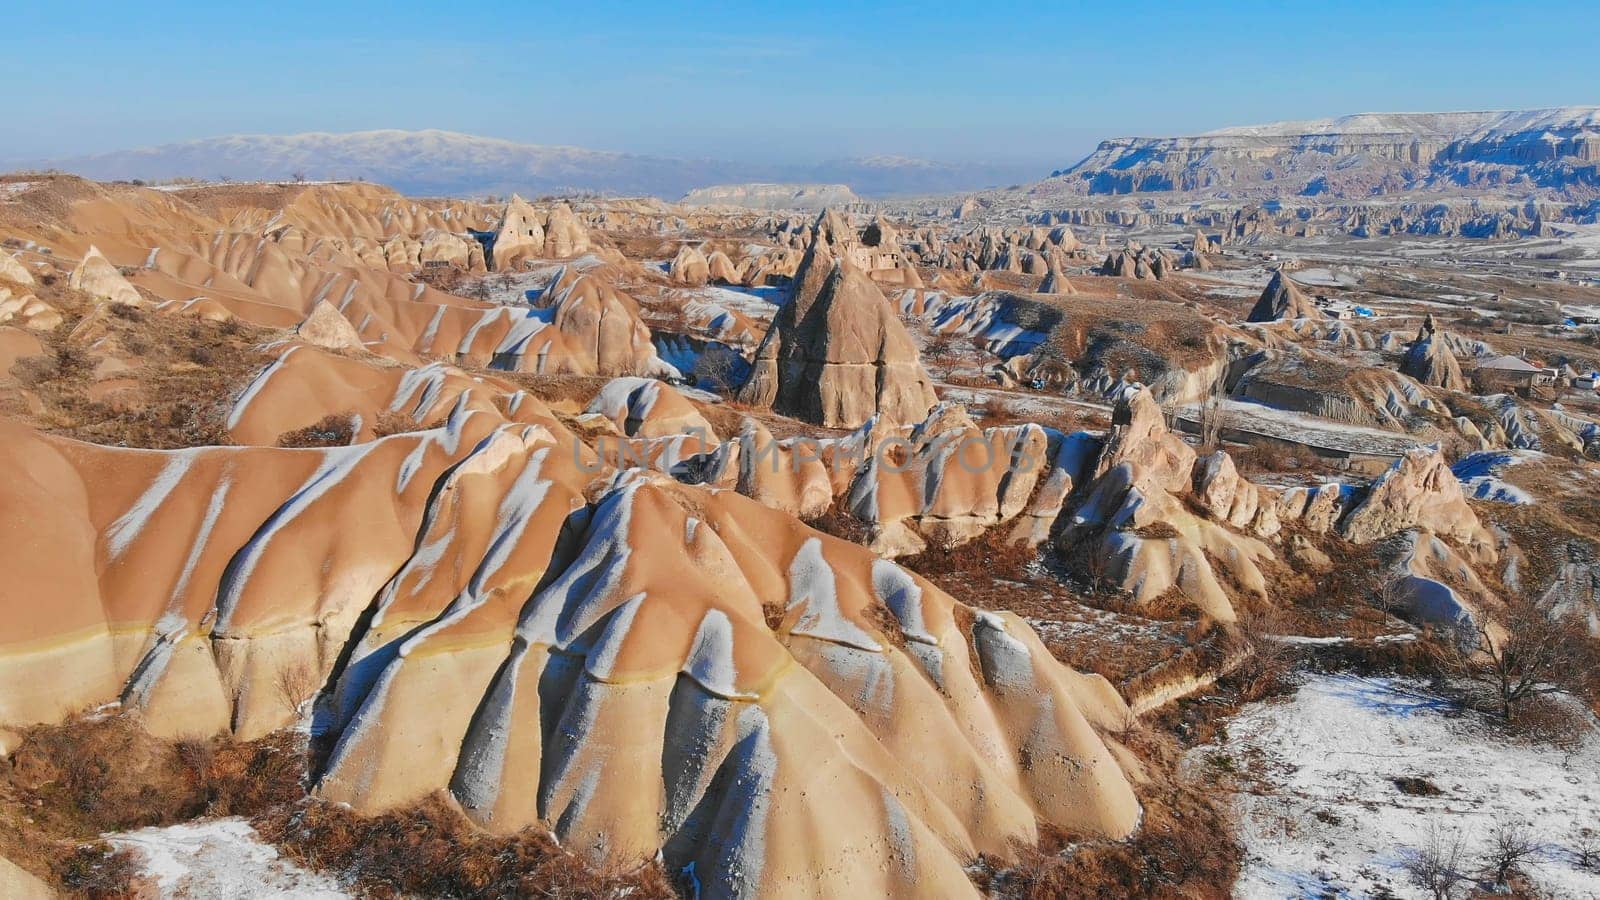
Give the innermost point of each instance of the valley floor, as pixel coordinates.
(1321, 815)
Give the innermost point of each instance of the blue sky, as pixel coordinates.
(1038, 83)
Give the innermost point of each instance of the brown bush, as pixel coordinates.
(185, 375)
(33, 371)
(432, 850)
(1276, 456)
(390, 422)
(96, 871)
(1184, 848)
(68, 784)
(990, 555)
(332, 430)
(841, 525)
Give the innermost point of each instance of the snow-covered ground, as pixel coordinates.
(1320, 814)
(222, 859)
(758, 303)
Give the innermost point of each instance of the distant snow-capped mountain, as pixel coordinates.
(444, 162)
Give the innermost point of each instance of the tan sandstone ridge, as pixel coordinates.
(17, 883)
(479, 586)
(836, 354)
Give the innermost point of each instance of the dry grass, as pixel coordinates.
(1150, 337)
(182, 377)
(68, 784)
(841, 525)
(558, 390)
(390, 422)
(990, 555)
(1184, 846)
(1269, 456)
(65, 785)
(431, 850)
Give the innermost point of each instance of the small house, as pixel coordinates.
(1505, 373)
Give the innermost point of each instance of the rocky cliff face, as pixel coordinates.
(1357, 156)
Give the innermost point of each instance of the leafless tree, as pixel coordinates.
(714, 367)
(299, 177)
(1213, 414)
(1510, 844)
(1389, 592)
(1528, 653)
(1586, 844)
(1435, 866)
(296, 683)
(939, 350)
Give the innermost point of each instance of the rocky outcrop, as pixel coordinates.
(954, 482)
(689, 267)
(98, 278)
(1138, 262)
(645, 407)
(19, 306)
(1132, 524)
(326, 328)
(1056, 283)
(528, 233)
(721, 268)
(1356, 157)
(13, 271)
(1430, 360)
(1419, 492)
(836, 354)
(1283, 299)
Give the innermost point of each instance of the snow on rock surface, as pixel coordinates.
(1320, 814)
(221, 859)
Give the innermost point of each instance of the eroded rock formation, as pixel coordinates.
(1283, 299)
(836, 354)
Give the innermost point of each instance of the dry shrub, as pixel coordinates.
(556, 389)
(33, 371)
(332, 430)
(1265, 665)
(97, 870)
(1277, 456)
(432, 850)
(841, 525)
(990, 555)
(962, 379)
(391, 422)
(1158, 530)
(184, 375)
(993, 412)
(1183, 848)
(68, 784)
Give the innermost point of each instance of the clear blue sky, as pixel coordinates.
(782, 81)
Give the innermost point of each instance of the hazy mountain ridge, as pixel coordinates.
(1554, 150)
(449, 163)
